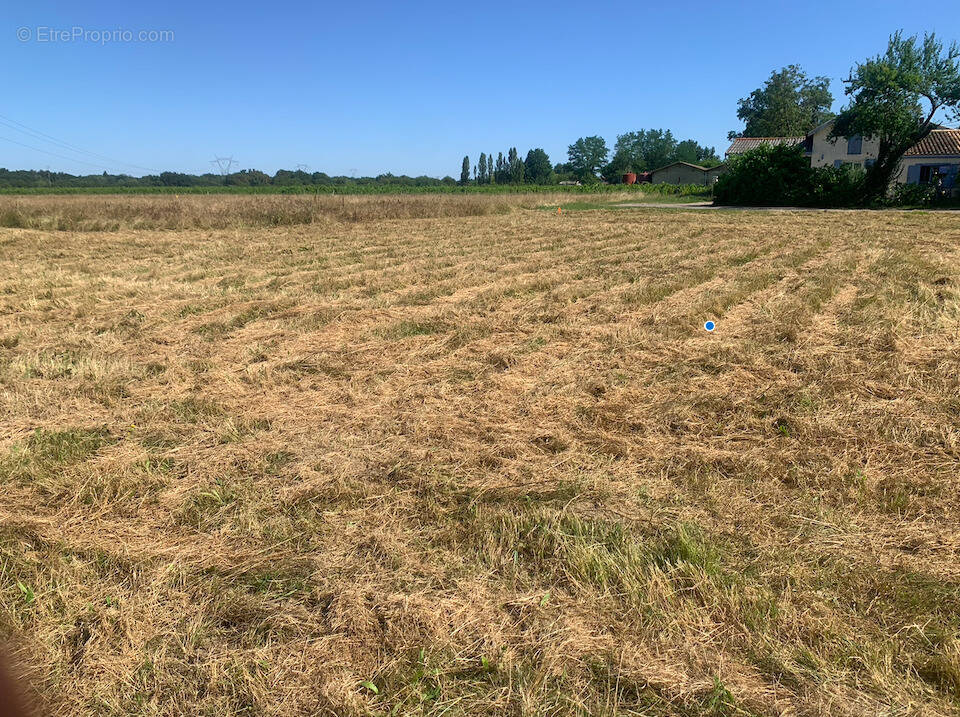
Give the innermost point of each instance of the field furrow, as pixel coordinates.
(483, 464)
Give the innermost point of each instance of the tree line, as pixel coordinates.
(588, 160)
(28, 178)
(535, 168)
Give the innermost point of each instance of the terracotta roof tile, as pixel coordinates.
(745, 144)
(938, 143)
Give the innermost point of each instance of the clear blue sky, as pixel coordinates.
(407, 87)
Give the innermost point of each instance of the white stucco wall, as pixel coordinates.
(825, 153)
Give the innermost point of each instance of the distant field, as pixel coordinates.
(479, 458)
(238, 211)
(634, 190)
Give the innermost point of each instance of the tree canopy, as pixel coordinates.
(650, 149)
(691, 151)
(515, 166)
(788, 105)
(587, 156)
(538, 167)
(896, 97)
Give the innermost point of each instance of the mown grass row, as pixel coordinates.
(485, 465)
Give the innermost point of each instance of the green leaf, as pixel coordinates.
(370, 686)
(27, 592)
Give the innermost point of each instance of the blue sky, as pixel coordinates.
(364, 88)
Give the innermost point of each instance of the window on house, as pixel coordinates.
(926, 174)
(855, 145)
(837, 163)
(867, 163)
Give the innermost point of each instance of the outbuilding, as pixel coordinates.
(713, 174)
(686, 173)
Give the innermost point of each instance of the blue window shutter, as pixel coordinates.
(837, 163)
(913, 174)
(855, 145)
(951, 178)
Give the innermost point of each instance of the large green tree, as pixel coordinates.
(587, 156)
(642, 150)
(789, 104)
(465, 171)
(691, 151)
(500, 174)
(515, 166)
(653, 148)
(537, 167)
(627, 155)
(896, 97)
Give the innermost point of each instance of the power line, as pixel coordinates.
(54, 154)
(37, 134)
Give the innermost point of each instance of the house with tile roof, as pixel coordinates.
(933, 160)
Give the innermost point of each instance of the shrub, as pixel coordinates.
(913, 195)
(835, 187)
(766, 176)
(781, 175)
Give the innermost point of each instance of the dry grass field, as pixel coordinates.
(226, 211)
(470, 457)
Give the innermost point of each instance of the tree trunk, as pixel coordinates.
(876, 184)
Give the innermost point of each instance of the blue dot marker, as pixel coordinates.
(709, 326)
